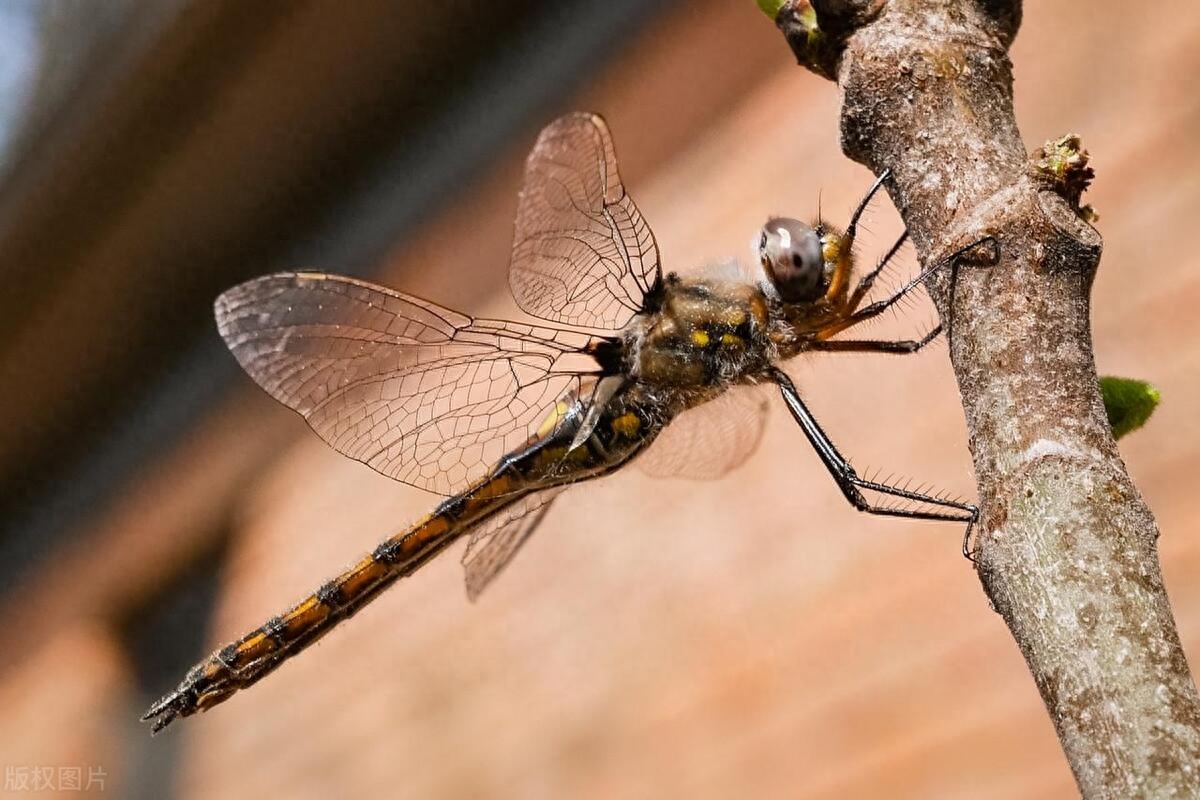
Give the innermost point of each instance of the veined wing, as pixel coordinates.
(710, 439)
(495, 541)
(582, 253)
(418, 392)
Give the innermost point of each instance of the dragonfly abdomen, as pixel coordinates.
(548, 461)
(242, 663)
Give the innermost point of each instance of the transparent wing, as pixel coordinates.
(709, 440)
(582, 253)
(495, 541)
(417, 392)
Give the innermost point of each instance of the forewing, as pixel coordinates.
(709, 440)
(495, 541)
(582, 253)
(417, 392)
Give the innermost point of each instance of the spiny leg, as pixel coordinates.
(893, 347)
(878, 307)
(852, 485)
(852, 228)
(841, 255)
(868, 280)
(897, 347)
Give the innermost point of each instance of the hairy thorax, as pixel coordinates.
(704, 334)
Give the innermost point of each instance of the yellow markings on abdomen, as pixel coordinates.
(258, 645)
(700, 338)
(408, 544)
(242, 663)
(553, 419)
(627, 425)
(303, 618)
(348, 591)
(365, 574)
(482, 497)
(731, 340)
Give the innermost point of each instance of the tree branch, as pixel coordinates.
(1066, 546)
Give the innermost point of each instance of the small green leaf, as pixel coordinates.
(771, 7)
(1128, 403)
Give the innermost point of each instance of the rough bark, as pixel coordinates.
(1066, 546)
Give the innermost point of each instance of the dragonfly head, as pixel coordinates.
(794, 260)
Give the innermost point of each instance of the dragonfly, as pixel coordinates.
(626, 364)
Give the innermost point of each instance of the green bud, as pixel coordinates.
(771, 7)
(1128, 403)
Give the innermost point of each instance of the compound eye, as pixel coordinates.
(791, 255)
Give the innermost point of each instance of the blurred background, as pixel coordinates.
(751, 637)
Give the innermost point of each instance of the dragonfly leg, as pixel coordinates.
(852, 228)
(878, 307)
(895, 347)
(852, 485)
(868, 280)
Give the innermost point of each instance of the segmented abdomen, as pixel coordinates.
(241, 663)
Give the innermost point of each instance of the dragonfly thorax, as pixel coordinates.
(703, 334)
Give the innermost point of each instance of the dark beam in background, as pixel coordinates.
(306, 133)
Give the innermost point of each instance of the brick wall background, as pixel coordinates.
(748, 637)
